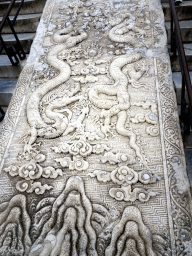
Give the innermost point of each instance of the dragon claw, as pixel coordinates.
(29, 149)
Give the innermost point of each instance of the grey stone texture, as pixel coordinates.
(92, 160)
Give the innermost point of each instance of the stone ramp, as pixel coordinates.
(92, 159)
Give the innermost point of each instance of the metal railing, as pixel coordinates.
(16, 51)
(2, 114)
(177, 46)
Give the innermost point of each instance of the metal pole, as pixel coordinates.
(182, 53)
(6, 14)
(11, 53)
(17, 13)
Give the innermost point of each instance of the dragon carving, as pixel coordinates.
(119, 106)
(38, 127)
(60, 122)
(119, 33)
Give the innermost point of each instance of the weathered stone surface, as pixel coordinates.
(92, 160)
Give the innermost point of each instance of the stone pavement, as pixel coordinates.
(92, 160)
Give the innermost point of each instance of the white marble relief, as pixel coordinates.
(91, 151)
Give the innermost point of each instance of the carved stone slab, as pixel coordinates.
(92, 160)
